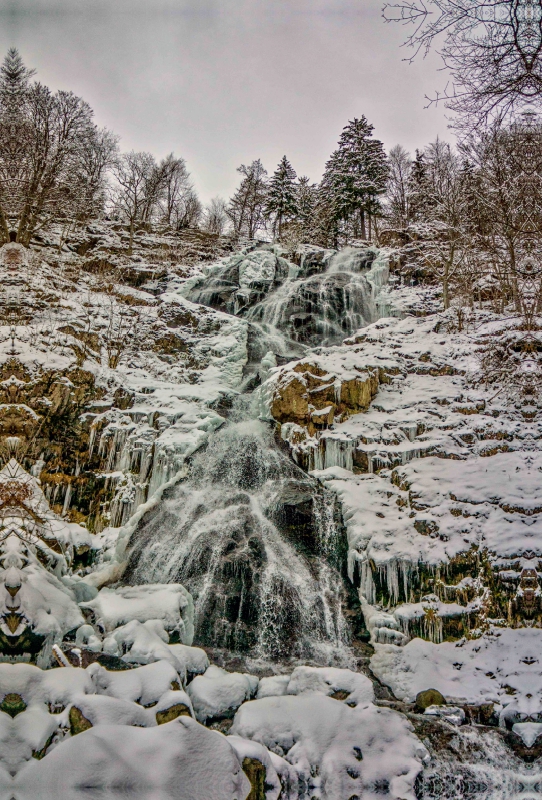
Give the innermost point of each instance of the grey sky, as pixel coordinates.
(222, 83)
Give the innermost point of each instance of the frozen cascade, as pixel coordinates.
(228, 534)
(323, 309)
(248, 532)
(291, 308)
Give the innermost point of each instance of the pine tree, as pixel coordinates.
(281, 196)
(356, 175)
(306, 200)
(14, 76)
(14, 85)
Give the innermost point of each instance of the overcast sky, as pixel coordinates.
(222, 82)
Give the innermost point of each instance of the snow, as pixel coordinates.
(273, 686)
(319, 680)
(194, 660)
(170, 603)
(338, 752)
(181, 759)
(140, 643)
(218, 692)
(145, 685)
(501, 667)
(327, 680)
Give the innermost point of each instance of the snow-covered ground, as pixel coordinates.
(109, 388)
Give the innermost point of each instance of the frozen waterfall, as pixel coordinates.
(245, 535)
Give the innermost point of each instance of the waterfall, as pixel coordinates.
(252, 536)
(291, 308)
(243, 535)
(325, 308)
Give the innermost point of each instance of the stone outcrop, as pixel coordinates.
(313, 398)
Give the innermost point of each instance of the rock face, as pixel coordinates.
(308, 396)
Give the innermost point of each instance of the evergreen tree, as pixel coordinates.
(281, 196)
(355, 176)
(418, 188)
(306, 201)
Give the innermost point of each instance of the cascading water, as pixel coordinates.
(291, 307)
(324, 308)
(250, 535)
(242, 534)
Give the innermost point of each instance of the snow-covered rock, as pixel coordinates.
(181, 753)
(217, 693)
(337, 751)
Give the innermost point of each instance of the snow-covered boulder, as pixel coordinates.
(181, 756)
(353, 687)
(218, 693)
(337, 751)
(170, 603)
(144, 685)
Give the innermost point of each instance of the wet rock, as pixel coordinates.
(255, 772)
(169, 714)
(429, 697)
(78, 721)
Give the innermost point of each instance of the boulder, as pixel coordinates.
(429, 697)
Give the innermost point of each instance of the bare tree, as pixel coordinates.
(52, 156)
(441, 236)
(179, 205)
(215, 216)
(98, 155)
(398, 187)
(136, 189)
(508, 162)
(246, 207)
(120, 331)
(492, 48)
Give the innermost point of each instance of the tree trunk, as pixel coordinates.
(362, 223)
(4, 228)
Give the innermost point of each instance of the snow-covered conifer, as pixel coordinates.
(355, 176)
(281, 203)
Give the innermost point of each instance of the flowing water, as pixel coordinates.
(252, 536)
(315, 302)
(228, 533)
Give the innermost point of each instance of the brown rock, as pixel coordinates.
(255, 772)
(171, 713)
(78, 721)
(429, 697)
